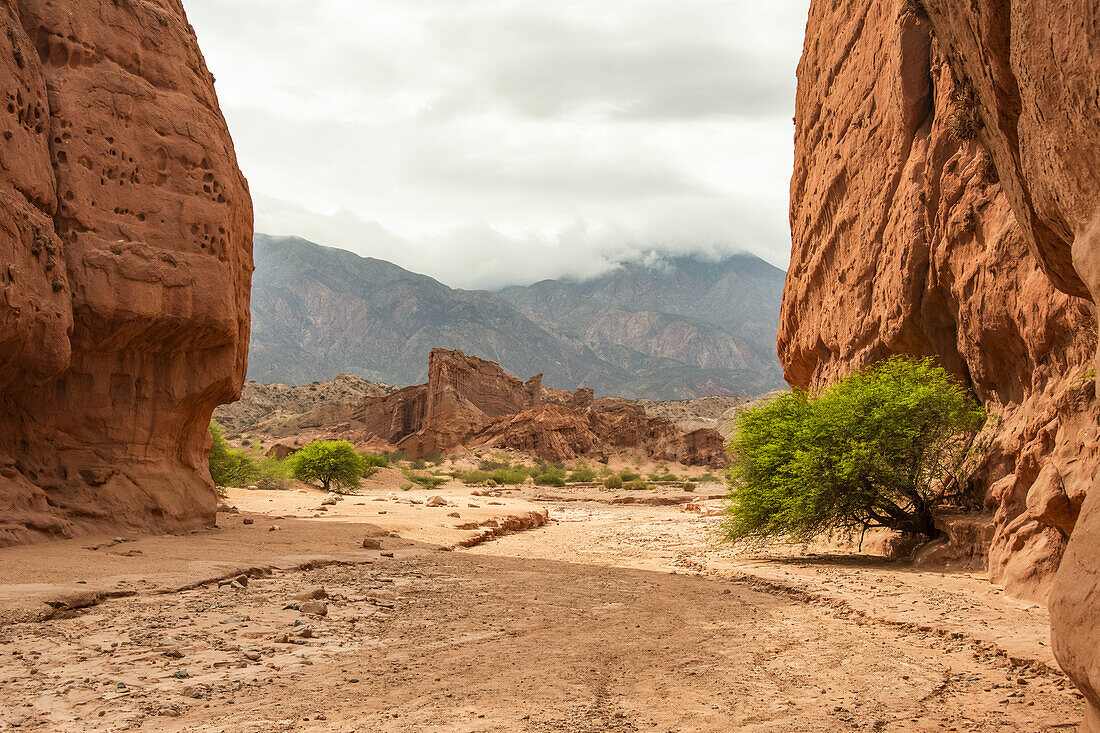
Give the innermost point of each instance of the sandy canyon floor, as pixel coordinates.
(609, 617)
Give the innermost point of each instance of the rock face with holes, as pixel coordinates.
(125, 262)
(946, 200)
(469, 403)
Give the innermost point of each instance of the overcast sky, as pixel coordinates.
(497, 142)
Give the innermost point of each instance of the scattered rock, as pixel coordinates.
(313, 594)
(456, 515)
(387, 554)
(372, 543)
(314, 608)
(436, 501)
(246, 520)
(329, 501)
(181, 674)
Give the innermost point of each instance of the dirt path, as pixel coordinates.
(578, 626)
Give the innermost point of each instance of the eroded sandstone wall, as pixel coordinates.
(946, 200)
(125, 264)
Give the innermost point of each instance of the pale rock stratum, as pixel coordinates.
(946, 200)
(125, 263)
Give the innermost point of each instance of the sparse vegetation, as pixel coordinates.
(427, 481)
(881, 448)
(229, 466)
(550, 479)
(689, 486)
(987, 171)
(636, 485)
(613, 482)
(335, 463)
(372, 460)
(582, 475)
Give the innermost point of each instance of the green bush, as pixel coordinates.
(613, 482)
(628, 476)
(709, 478)
(549, 479)
(229, 466)
(394, 456)
(636, 485)
(433, 459)
(425, 480)
(666, 476)
(371, 460)
(419, 464)
(689, 486)
(582, 475)
(882, 448)
(406, 487)
(508, 475)
(334, 463)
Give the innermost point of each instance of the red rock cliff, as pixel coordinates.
(125, 263)
(946, 200)
(470, 402)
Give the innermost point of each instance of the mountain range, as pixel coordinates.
(682, 328)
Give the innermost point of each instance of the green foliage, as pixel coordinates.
(406, 487)
(666, 477)
(433, 459)
(882, 448)
(370, 460)
(273, 474)
(582, 475)
(394, 456)
(419, 464)
(636, 485)
(613, 482)
(689, 486)
(709, 478)
(550, 479)
(501, 472)
(628, 476)
(427, 481)
(229, 466)
(334, 463)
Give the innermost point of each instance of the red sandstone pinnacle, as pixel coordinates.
(469, 402)
(946, 200)
(125, 268)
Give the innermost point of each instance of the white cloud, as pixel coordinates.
(488, 142)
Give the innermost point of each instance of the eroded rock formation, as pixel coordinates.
(946, 200)
(469, 402)
(125, 260)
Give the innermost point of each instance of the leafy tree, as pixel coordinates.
(335, 463)
(882, 448)
(229, 466)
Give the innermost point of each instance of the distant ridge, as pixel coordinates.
(687, 328)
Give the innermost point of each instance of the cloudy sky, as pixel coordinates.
(495, 142)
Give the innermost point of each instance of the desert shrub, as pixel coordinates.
(709, 478)
(372, 460)
(406, 487)
(433, 459)
(613, 482)
(882, 448)
(628, 476)
(962, 124)
(271, 483)
(229, 466)
(427, 481)
(987, 171)
(666, 476)
(394, 456)
(582, 475)
(334, 463)
(491, 464)
(689, 486)
(419, 464)
(550, 479)
(636, 485)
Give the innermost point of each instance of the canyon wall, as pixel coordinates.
(125, 264)
(946, 200)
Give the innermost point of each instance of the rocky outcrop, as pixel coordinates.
(125, 260)
(946, 200)
(469, 402)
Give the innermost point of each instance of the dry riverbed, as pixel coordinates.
(610, 617)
